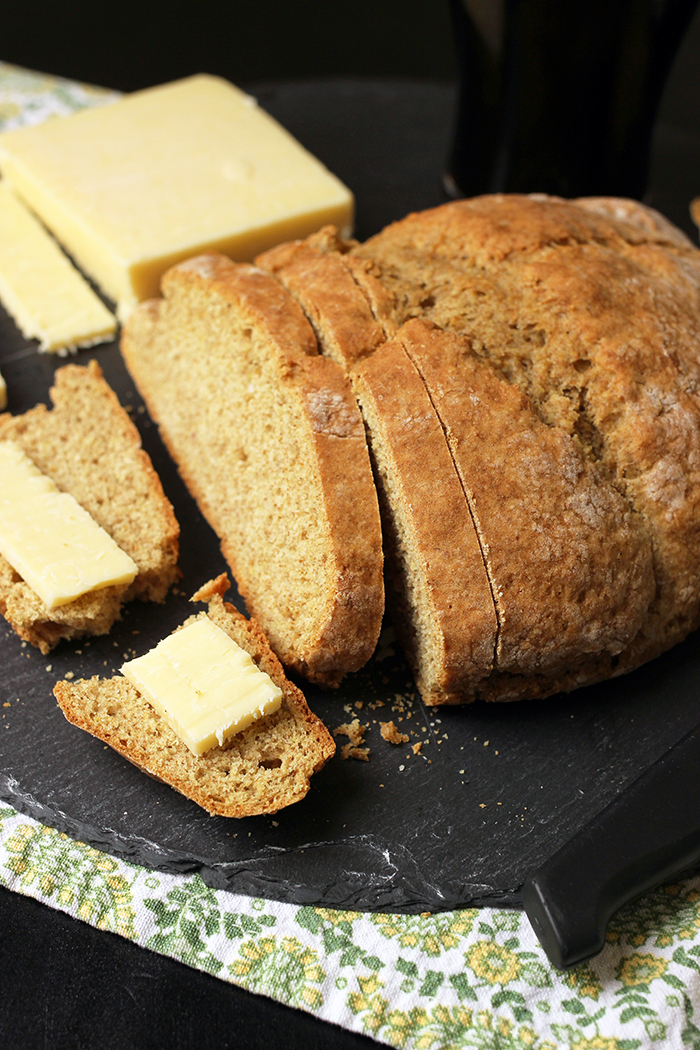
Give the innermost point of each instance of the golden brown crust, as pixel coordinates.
(570, 564)
(442, 603)
(269, 440)
(264, 768)
(591, 311)
(88, 445)
(337, 308)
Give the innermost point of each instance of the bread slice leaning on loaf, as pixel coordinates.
(90, 448)
(262, 769)
(267, 435)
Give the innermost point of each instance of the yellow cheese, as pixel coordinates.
(42, 290)
(204, 685)
(49, 539)
(3, 392)
(163, 174)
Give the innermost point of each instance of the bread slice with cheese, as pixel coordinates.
(269, 440)
(262, 769)
(90, 448)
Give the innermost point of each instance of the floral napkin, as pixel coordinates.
(473, 978)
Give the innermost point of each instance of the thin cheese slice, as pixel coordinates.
(41, 289)
(204, 685)
(163, 174)
(49, 539)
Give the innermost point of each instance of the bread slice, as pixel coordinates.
(570, 564)
(90, 448)
(316, 274)
(439, 592)
(270, 442)
(262, 769)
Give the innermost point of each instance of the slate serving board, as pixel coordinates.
(495, 789)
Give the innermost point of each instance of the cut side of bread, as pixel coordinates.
(262, 769)
(437, 585)
(268, 437)
(90, 448)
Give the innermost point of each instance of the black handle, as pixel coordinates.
(648, 834)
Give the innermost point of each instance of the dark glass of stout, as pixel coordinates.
(560, 96)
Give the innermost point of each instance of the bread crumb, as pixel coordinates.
(391, 733)
(69, 675)
(416, 749)
(354, 730)
(350, 751)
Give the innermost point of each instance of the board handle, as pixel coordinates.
(647, 835)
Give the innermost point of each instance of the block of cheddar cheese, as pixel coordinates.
(132, 187)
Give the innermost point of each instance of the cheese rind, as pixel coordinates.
(162, 174)
(203, 684)
(41, 289)
(49, 539)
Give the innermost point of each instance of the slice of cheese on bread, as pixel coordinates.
(269, 440)
(87, 445)
(261, 769)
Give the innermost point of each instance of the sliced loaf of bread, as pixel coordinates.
(90, 448)
(270, 442)
(262, 769)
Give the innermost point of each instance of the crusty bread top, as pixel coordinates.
(262, 769)
(591, 311)
(270, 442)
(570, 564)
(442, 605)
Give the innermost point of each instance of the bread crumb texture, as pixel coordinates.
(90, 448)
(270, 442)
(261, 770)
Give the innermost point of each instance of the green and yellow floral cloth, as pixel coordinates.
(474, 978)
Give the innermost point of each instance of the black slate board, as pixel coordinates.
(496, 789)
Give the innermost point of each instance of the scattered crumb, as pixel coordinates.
(359, 704)
(49, 667)
(482, 805)
(391, 733)
(275, 823)
(416, 749)
(355, 732)
(350, 751)
(69, 675)
(486, 743)
(401, 769)
(425, 914)
(7, 704)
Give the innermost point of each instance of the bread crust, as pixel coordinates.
(229, 308)
(590, 311)
(264, 768)
(90, 448)
(442, 602)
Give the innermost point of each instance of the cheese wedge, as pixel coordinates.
(49, 539)
(204, 685)
(166, 173)
(41, 289)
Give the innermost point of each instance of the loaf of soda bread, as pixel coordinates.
(268, 437)
(90, 448)
(557, 343)
(261, 769)
(589, 309)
